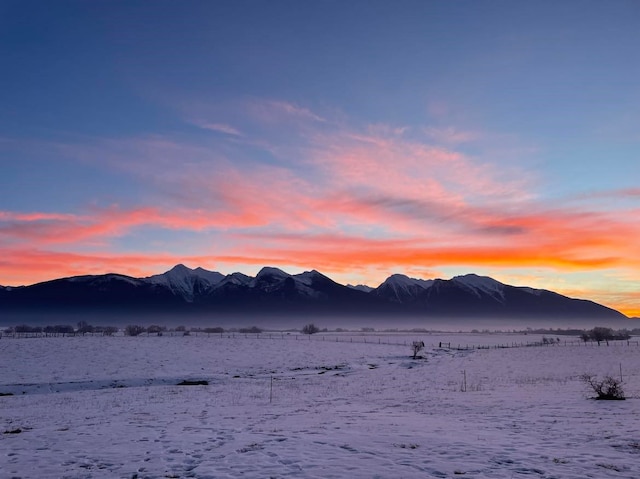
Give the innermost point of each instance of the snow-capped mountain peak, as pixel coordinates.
(401, 280)
(212, 277)
(308, 277)
(361, 287)
(273, 272)
(400, 288)
(481, 284)
(238, 279)
(182, 280)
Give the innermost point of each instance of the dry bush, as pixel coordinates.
(416, 347)
(608, 388)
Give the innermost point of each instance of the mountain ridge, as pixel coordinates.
(272, 290)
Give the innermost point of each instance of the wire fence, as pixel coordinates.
(349, 338)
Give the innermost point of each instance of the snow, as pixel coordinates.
(178, 279)
(181, 280)
(361, 287)
(235, 278)
(529, 290)
(304, 283)
(268, 278)
(272, 272)
(403, 281)
(482, 283)
(212, 277)
(307, 277)
(403, 288)
(338, 409)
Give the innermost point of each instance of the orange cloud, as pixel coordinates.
(26, 266)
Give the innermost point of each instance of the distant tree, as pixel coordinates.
(251, 330)
(84, 327)
(601, 334)
(63, 329)
(214, 330)
(25, 328)
(108, 330)
(622, 334)
(310, 329)
(181, 328)
(416, 347)
(155, 329)
(133, 330)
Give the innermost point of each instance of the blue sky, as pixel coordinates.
(430, 138)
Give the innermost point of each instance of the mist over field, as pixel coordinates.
(277, 322)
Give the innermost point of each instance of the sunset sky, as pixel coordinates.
(358, 138)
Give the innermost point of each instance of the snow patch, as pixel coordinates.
(361, 287)
(482, 284)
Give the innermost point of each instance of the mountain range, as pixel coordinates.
(274, 292)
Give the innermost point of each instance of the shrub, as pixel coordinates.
(416, 347)
(608, 388)
(310, 329)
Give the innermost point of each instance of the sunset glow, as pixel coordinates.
(427, 138)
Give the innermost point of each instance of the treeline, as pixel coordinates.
(136, 330)
(83, 328)
(600, 334)
(62, 329)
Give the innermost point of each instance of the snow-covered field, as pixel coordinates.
(110, 407)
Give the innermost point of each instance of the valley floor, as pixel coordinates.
(110, 407)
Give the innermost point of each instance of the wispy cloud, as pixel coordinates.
(218, 127)
(294, 110)
(450, 135)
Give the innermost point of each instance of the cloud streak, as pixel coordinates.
(218, 127)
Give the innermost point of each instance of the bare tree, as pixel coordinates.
(84, 327)
(416, 347)
(133, 330)
(608, 388)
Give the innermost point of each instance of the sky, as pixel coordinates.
(359, 138)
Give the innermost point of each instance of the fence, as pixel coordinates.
(346, 338)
